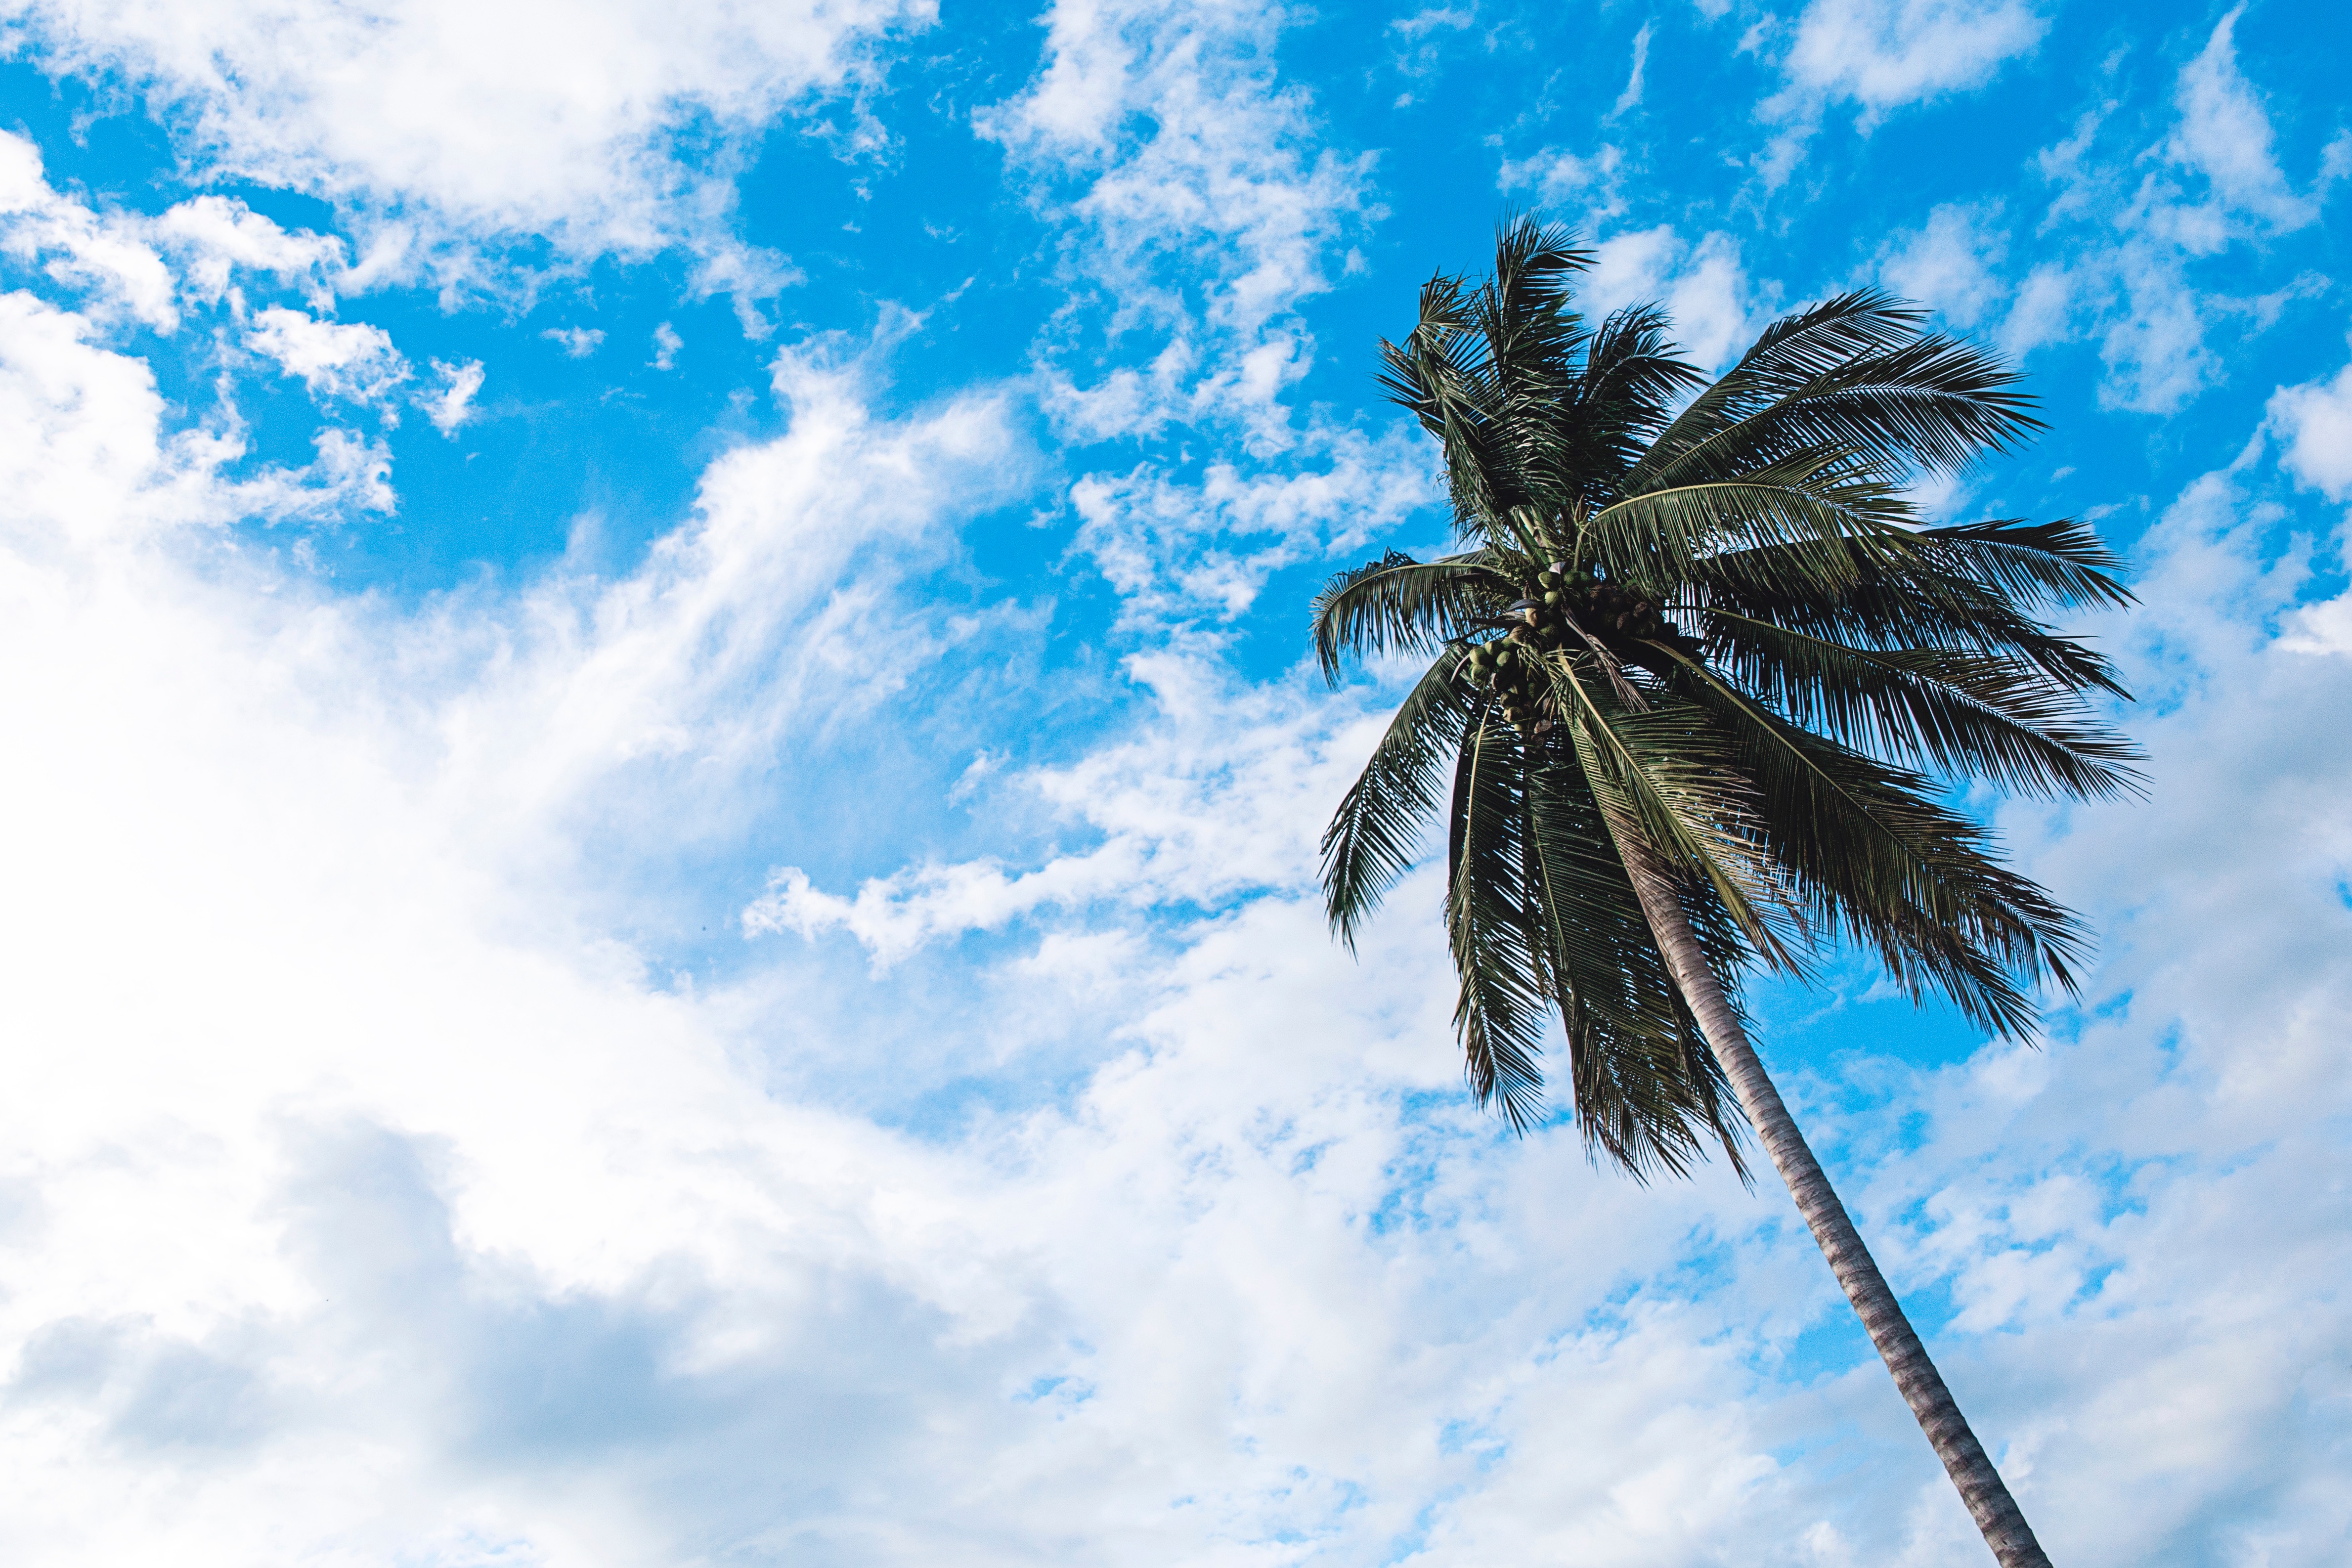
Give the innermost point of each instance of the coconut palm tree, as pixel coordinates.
(1703, 677)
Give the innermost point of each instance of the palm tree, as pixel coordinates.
(1700, 668)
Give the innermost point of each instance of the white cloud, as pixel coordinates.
(1559, 178)
(2154, 345)
(577, 342)
(1703, 288)
(1202, 208)
(146, 267)
(1632, 97)
(1201, 808)
(103, 253)
(2224, 134)
(1177, 549)
(349, 360)
(85, 457)
(666, 342)
(461, 124)
(1885, 54)
(2135, 222)
(212, 236)
(454, 404)
(1422, 39)
(1949, 263)
(1227, 179)
(2315, 421)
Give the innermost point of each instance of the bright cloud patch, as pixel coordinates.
(2315, 420)
(334, 359)
(486, 122)
(1887, 53)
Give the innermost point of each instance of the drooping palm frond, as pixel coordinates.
(1953, 711)
(1872, 855)
(1644, 1085)
(1501, 1011)
(1370, 843)
(1397, 605)
(1942, 588)
(1811, 511)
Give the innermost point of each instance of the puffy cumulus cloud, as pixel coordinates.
(453, 405)
(131, 270)
(87, 458)
(212, 236)
(446, 126)
(1949, 264)
(2314, 420)
(148, 270)
(1883, 54)
(348, 360)
(103, 254)
(1705, 287)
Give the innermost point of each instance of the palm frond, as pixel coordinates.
(1665, 774)
(1874, 857)
(1399, 605)
(1645, 1086)
(1855, 374)
(1501, 1009)
(1909, 592)
(1811, 511)
(1370, 844)
(2063, 564)
(1632, 380)
(1962, 712)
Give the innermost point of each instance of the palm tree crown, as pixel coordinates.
(1700, 628)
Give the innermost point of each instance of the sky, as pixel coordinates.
(657, 852)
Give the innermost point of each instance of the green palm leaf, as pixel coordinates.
(1370, 843)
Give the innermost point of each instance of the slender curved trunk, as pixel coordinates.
(2005, 1530)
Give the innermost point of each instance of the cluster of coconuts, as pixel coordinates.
(1509, 663)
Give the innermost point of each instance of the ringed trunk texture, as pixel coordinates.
(1981, 1486)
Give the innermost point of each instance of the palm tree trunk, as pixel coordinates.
(2005, 1530)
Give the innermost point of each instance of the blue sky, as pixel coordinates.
(660, 857)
